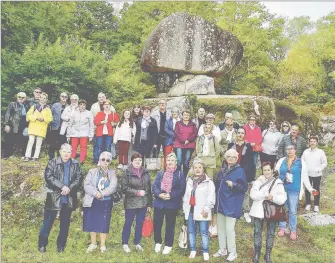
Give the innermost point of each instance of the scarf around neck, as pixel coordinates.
(196, 182)
(166, 184)
(137, 171)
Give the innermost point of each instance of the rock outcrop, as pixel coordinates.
(200, 84)
(190, 44)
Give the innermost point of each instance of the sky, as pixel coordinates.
(314, 10)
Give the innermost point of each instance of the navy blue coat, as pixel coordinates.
(169, 132)
(177, 191)
(229, 200)
(247, 161)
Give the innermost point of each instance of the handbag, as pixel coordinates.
(148, 226)
(117, 195)
(153, 164)
(272, 211)
(182, 239)
(257, 148)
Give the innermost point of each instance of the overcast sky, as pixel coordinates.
(314, 10)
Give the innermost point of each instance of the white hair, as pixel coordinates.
(105, 154)
(231, 152)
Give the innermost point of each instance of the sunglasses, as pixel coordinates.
(21, 97)
(285, 126)
(37, 91)
(105, 160)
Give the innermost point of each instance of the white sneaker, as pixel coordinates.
(221, 253)
(120, 166)
(206, 256)
(91, 248)
(232, 256)
(247, 217)
(166, 250)
(193, 254)
(308, 208)
(126, 248)
(139, 248)
(316, 208)
(158, 247)
(103, 249)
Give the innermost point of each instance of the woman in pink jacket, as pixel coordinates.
(253, 135)
(184, 142)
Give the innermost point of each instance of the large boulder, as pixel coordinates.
(190, 44)
(199, 84)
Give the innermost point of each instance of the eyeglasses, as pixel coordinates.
(272, 123)
(229, 125)
(37, 91)
(232, 157)
(105, 160)
(63, 96)
(285, 126)
(240, 132)
(21, 97)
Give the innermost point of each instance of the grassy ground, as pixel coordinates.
(22, 217)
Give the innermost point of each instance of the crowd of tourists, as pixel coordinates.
(208, 171)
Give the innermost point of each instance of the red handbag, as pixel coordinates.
(257, 148)
(148, 226)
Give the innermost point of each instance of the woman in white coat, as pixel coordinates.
(260, 192)
(198, 201)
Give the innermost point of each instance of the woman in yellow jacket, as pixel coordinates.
(38, 117)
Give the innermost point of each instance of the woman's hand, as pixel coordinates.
(141, 193)
(98, 195)
(229, 183)
(186, 142)
(204, 214)
(269, 197)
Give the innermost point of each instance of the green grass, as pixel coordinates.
(22, 218)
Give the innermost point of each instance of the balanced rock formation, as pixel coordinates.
(189, 44)
(199, 84)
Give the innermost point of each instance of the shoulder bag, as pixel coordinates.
(272, 211)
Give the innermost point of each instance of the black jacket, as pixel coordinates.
(54, 176)
(13, 116)
(247, 161)
(130, 184)
(152, 134)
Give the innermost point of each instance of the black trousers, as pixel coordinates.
(55, 140)
(170, 223)
(270, 234)
(268, 158)
(64, 224)
(12, 141)
(160, 143)
(315, 182)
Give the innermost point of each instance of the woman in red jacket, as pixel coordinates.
(184, 140)
(253, 135)
(105, 120)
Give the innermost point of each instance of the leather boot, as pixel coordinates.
(257, 254)
(267, 256)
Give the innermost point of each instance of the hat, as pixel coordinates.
(21, 94)
(229, 115)
(210, 116)
(74, 97)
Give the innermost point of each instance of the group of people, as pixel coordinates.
(212, 194)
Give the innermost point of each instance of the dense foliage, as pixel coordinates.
(85, 47)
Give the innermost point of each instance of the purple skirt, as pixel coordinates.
(97, 217)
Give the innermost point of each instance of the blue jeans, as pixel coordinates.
(102, 143)
(292, 205)
(130, 215)
(255, 158)
(183, 158)
(192, 233)
(64, 224)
